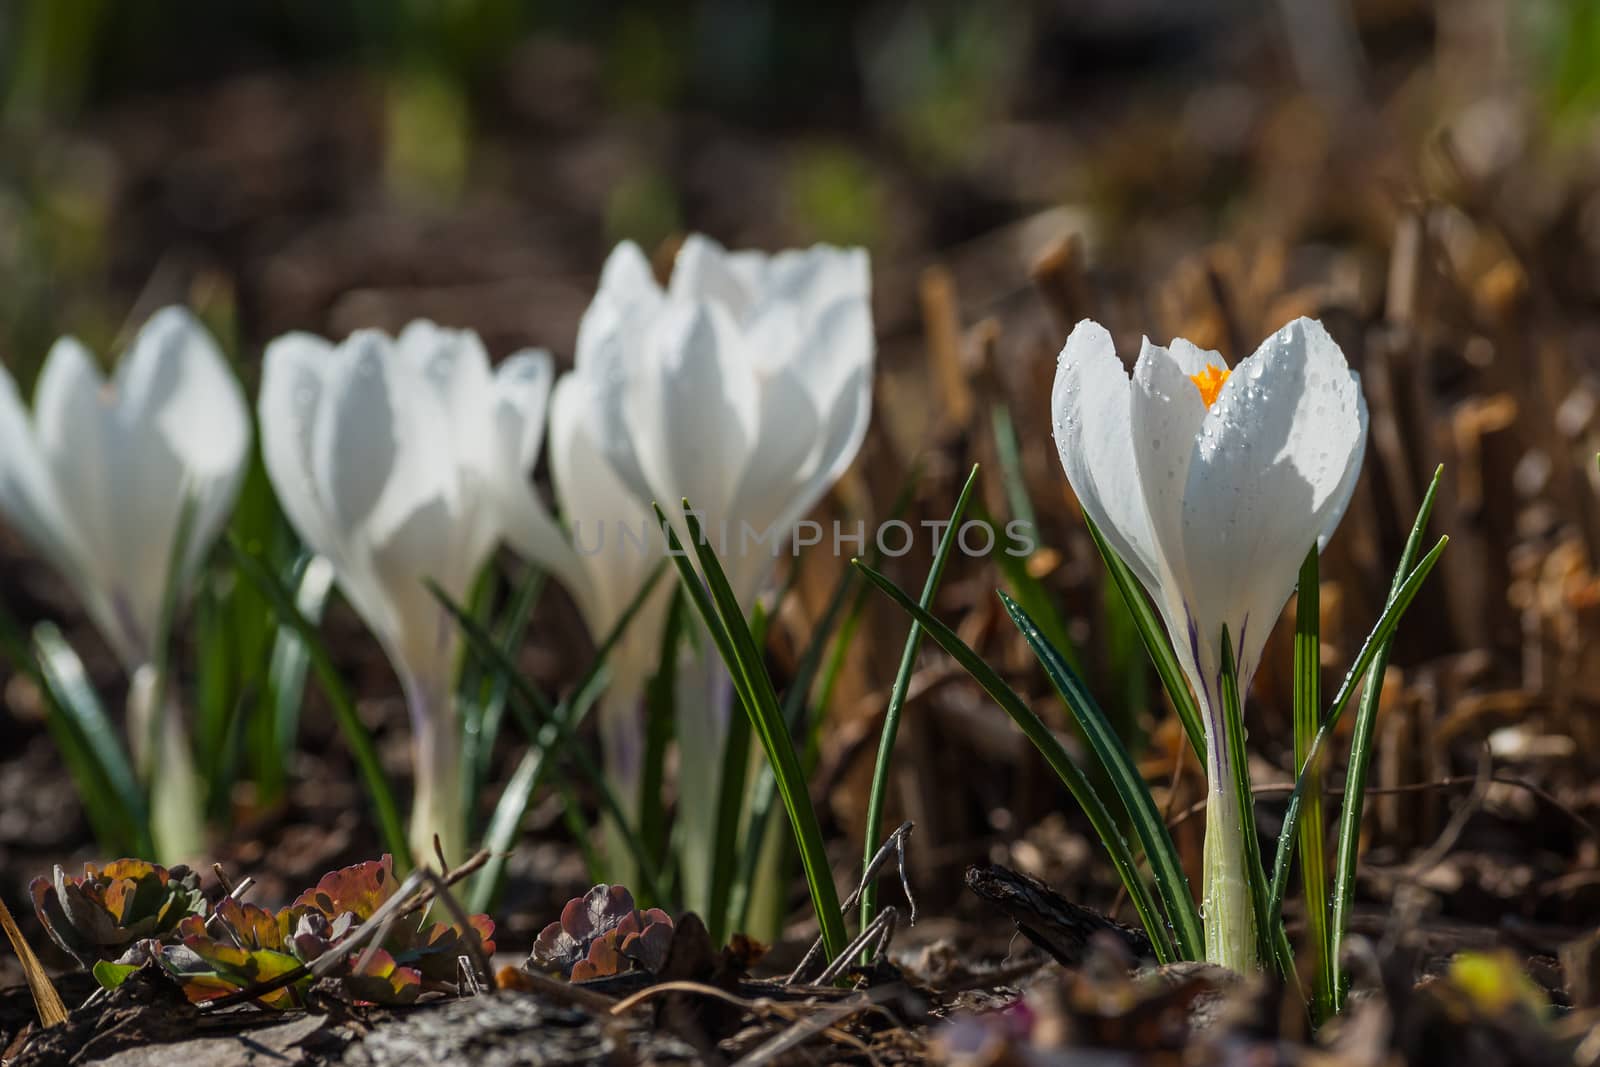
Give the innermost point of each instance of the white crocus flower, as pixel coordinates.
(97, 480)
(613, 547)
(744, 386)
(388, 456)
(1212, 485)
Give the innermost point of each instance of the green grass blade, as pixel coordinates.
(878, 795)
(500, 836)
(725, 859)
(217, 670)
(1269, 927)
(287, 669)
(1154, 634)
(1313, 827)
(356, 735)
(117, 828)
(1054, 754)
(1009, 452)
(720, 609)
(797, 710)
(833, 664)
(1361, 752)
(1026, 589)
(1031, 593)
(231, 639)
(1171, 884)
(512, 806)
(1125, 664)
(147, 751)
(81, 720)
(1387, 622)
(491, 694)
(525, 695)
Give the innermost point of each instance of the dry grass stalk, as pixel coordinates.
(45, 998)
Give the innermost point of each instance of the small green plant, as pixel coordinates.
(97, 917)
(240, 946)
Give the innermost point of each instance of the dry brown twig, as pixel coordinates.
(824, 1020)
(45, 998)
(1452, 782)
(894, 845)
(761, 1007)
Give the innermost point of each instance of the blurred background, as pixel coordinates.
(1424, 175)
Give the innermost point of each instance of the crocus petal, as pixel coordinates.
(693, 409)
(356, 439)
(294, 376)
(609, 337)
(815, 279)
(785, 450)
(176, 376)
(27, 493)
(175, 381)
(70, 406)
(840, 440)
(107, 468)
(1167, 414)
(522, 387)
(1092, 410)
(627, 279)
(118, 490)
(1271, 464)
(522, 400)
(705, 272)
(455, 374)
(415, 552)
(354, 452)
(617, 542)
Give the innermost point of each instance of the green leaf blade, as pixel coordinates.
(1054, 753)
(1153, 632)
(720, 609)
(877, 796)
(1171, 883)
(1313, 827)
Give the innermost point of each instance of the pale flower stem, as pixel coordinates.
(622, 729)
(177, 816)
(1229, 918)
(769, 893)
(704, 703)
(437, 804)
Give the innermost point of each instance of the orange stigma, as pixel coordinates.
(1209, 382)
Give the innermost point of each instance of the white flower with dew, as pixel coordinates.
(388, 456)
(1212, 485)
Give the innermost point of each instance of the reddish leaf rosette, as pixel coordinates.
(601, 933)
(99, 916)
(242, 945)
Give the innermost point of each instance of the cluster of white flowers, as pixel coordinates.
(744, 385)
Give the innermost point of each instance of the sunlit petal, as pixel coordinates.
(1091, 410)
(693, 408)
